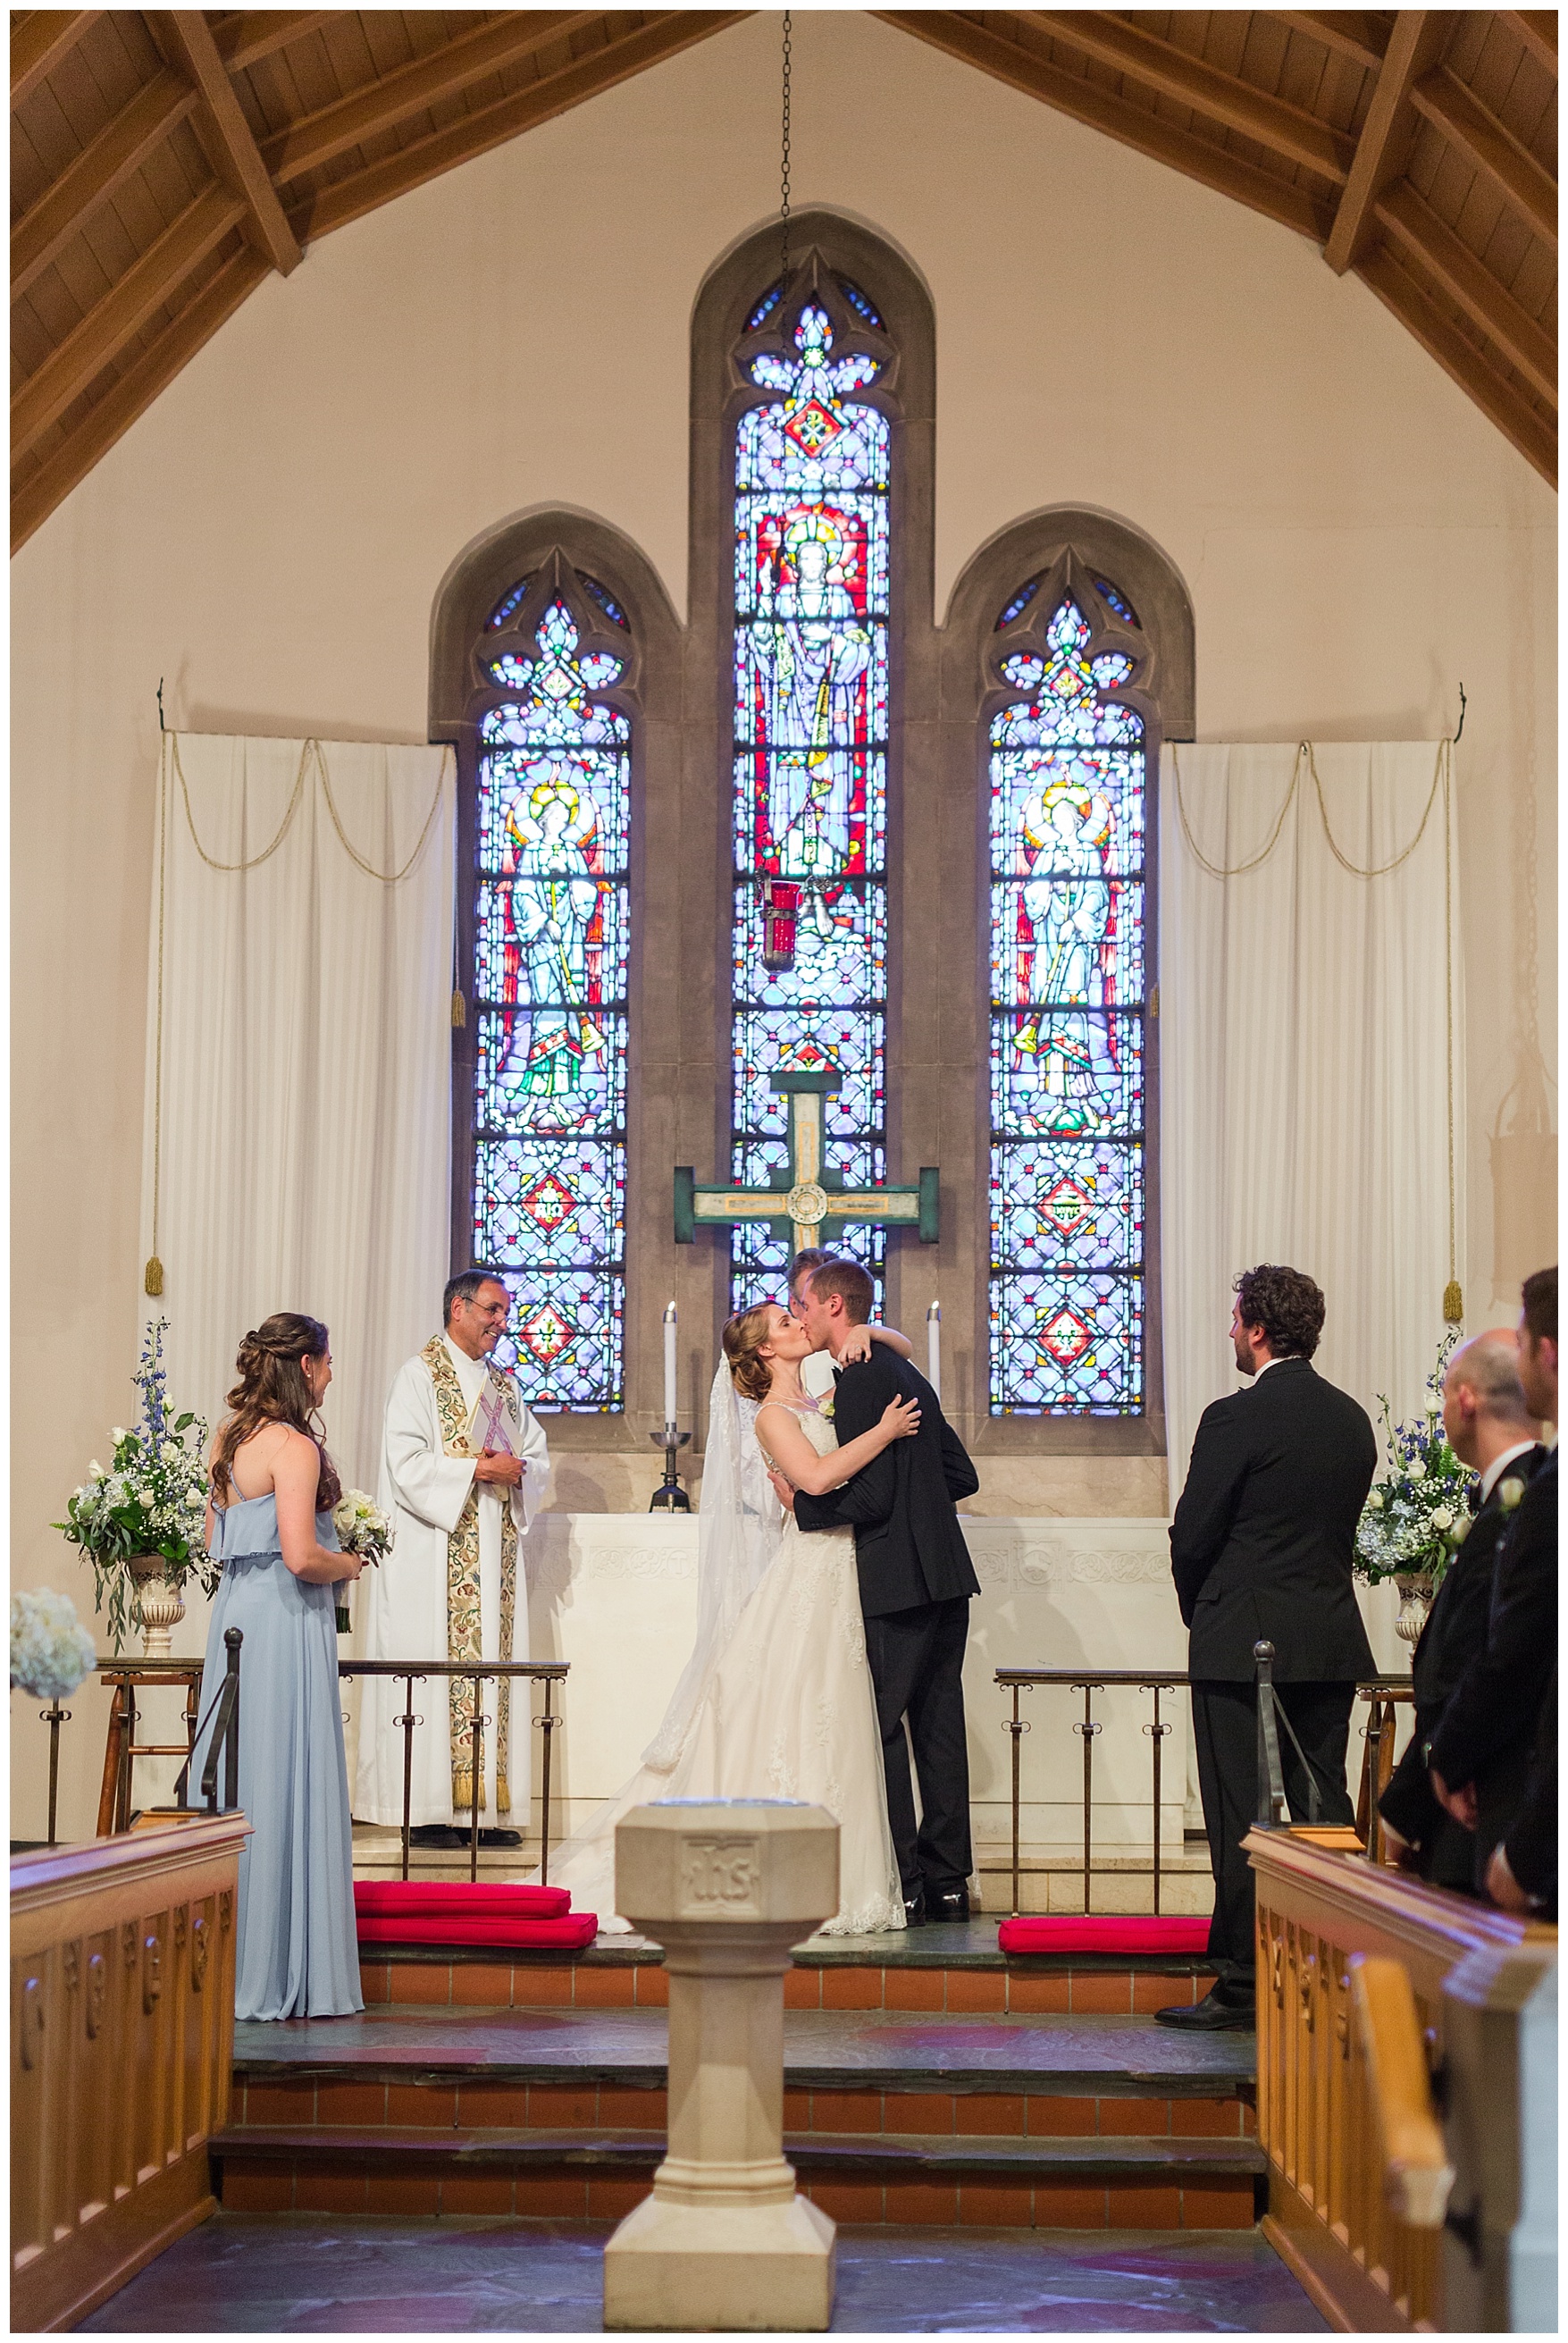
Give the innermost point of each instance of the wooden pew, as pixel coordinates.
(122, 2043)
(1352, 1962)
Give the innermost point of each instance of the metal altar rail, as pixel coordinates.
(549, 1673)
(1383, 1693)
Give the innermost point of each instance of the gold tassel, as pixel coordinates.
(503, 1796)
(459, 1012)
(463, 1792)
(152, 1281)
(1453, 1303)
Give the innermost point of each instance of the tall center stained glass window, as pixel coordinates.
(811, 609)
(548, 987)
(1068, 780)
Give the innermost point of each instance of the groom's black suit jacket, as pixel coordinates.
(909, 1546)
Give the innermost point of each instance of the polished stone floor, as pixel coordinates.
(311, 2274)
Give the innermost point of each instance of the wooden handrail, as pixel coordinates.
(1416, 2173)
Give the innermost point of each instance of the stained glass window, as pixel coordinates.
(550, 997)
(1067, 1050)
(812, 553)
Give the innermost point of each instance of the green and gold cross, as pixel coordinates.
(805, 1200)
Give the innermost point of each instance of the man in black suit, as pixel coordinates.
(1261, 1548)
(1489, 1428)
(1479, 1754)
(916, 1580)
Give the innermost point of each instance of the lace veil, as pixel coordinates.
(739, 1525)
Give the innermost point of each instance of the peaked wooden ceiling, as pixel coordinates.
(163, 162)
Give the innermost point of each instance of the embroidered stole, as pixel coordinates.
(464, 1640)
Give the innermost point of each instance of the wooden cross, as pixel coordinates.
(805, 1198)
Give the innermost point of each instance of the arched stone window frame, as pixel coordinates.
(1045, 544)
(571, 545)
(823, 245)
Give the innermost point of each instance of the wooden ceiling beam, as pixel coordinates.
(252, 34)
(187, 39)
(1529, 432)
(1348, 32)
(1529, 190)
(444, 150)
(43, 232)
(135, 391)
(1416, 43)
(412, 89)
(1432, 244)
(122, 313)
(1537, 28)
(1286, 130)
(39, 40)
(975, 44)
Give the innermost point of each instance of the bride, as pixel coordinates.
(776, 1700)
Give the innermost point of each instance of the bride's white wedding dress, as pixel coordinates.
(778, 1701)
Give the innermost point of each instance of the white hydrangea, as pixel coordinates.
(51, 1651)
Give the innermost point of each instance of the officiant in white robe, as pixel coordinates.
(464, 1470)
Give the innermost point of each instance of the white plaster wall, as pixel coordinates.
(270, 535)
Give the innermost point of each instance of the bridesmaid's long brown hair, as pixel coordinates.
(272, 1389)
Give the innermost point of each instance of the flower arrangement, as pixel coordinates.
(1417, 1515)
(362, 1528)
(51, 1651)
(152, 1500)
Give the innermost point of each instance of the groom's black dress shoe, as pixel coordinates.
(914, 1911)
(952, 1904)
(438, 1834)
(1209, 2016)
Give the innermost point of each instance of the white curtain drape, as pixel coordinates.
(298, 1126)
(1311, 1056)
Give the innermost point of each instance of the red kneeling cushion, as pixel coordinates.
(1135, 1932)
(401, 1899)
(570, 1934)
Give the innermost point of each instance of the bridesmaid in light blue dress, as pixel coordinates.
(270, 1521)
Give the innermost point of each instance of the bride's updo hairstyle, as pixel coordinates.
(743, 1338)
(272, 1389)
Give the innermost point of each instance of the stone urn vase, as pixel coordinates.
(158, 1606)
(1414, 1602)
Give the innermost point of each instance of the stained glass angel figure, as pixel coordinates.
(813, 653)
(553, 924)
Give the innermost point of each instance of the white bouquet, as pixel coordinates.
(51, 1651)
(362, 1527)
(1417, 1515)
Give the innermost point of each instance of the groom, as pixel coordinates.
(916, 1581)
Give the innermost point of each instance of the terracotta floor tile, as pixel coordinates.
(1048, 2117)
(540, 1988)
(329, 2192)
(434, 2105)
(972, 1989)
(1134, 2118)
(483, 1984)
(928, 2112)
(652, 1984)
(1100, 1996)
(996, 2205)
(475, 2192)
(257, 2186)
(803, 1988)
(797, 2110)
(1205, 2119)
(1028, 1994)
(1249, 2121)
(612, 2200)
(1134, 2204)
(851, 1988)
(1201, 1985)
(604, 1988)
(915, 1989)
(408, 2196)
(280, 2103)
(927, 2202)
(1151, 1992)
(426, 1981)
(988, 2114)
(374, 1982)
(633, 2110)
(574, 2105)
(493, 2106)
(848, 2200)
(351, 2103)
(1219, 2205)
(559, 2197)
(1062, 2205)
(846, 2111)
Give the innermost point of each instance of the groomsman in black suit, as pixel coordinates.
(1491, 1429)
(1261, 1548)
(1481, 1753)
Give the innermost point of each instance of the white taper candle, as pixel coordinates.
(934, 1347)
(669, 1332)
